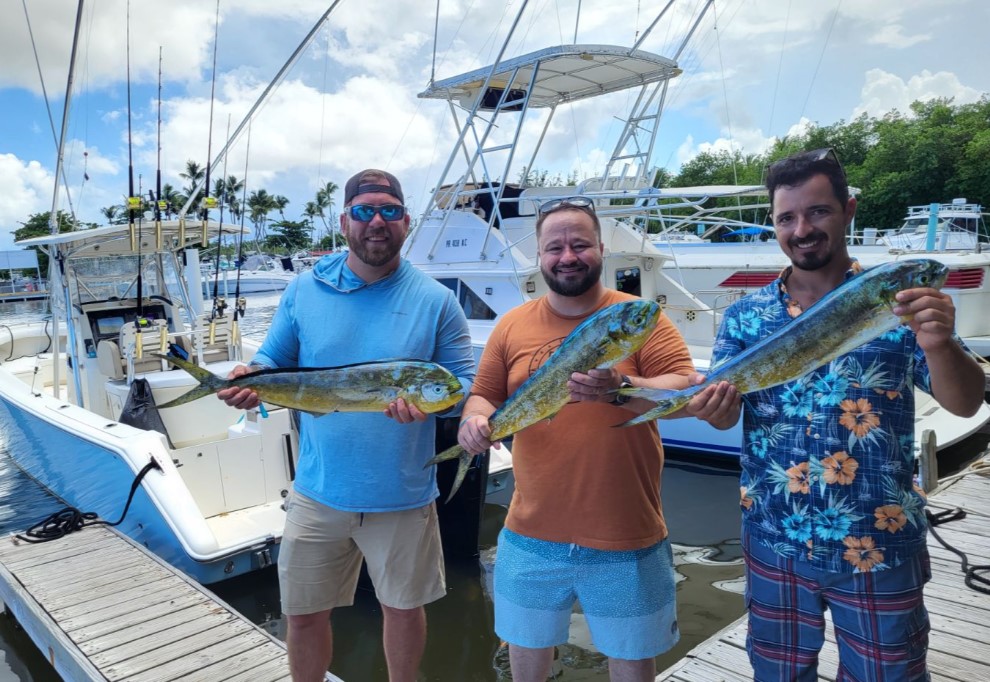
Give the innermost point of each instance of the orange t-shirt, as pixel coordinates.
(577, 479)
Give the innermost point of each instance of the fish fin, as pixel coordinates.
(649, 416)
(449, 453)
(462, 468)
(654, 395)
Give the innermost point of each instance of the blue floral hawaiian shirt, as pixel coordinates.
(827, 461)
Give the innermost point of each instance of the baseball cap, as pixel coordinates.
(368, 181)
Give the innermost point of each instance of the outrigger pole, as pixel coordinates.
(254, 108)
(56, 266)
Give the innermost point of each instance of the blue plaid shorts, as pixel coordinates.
(881, 624)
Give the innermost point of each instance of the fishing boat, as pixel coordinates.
(488, 256)
(72, 415)
(259, 274)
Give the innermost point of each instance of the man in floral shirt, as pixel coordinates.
(831, 517)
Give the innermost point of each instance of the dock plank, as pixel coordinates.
(959, 643)
(103, 608)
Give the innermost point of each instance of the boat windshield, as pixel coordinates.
(115, 277)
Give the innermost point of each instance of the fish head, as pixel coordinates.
(914, 273)
(437, 393)
(628, 325)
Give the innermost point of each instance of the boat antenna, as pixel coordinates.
(133, 200)
(436, 29)
(208, 201)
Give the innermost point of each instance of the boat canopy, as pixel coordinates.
(114, 240)
(565, 73)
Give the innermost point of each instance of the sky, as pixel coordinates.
(753, 71)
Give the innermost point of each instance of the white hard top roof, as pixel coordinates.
(567, 73)
(115, 239)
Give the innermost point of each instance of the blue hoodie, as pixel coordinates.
(328, 316)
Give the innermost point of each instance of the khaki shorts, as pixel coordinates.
(322, 548)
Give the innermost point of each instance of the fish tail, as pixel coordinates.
(464, 462)
(208, 382)
(449, 453)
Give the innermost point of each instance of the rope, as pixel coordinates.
(70, 519)
(973, 581)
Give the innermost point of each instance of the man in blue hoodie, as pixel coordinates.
(361, 490)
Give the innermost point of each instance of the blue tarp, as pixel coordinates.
(756, 229)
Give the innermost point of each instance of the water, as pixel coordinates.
(700, 504)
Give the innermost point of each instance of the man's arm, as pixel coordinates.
(957, 381)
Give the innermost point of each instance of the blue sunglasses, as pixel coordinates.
(365, 213)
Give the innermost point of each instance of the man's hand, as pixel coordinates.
(474, 434)
(403, 412)
(241, 398)
(719, 404)
(598, 385)
(932, 316)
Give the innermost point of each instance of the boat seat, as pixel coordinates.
(133, 351)
(214, 340)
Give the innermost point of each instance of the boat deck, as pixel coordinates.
(100, 607)
(959, 644)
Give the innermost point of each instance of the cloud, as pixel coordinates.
(27, 189)
(892, 35)
(883, 91)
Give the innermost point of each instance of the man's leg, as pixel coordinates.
(881, 624)
(530, 665)
(310, 644)
(404, 639)
(786, 617)
(623, 670)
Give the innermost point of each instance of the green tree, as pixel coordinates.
(37, 226)
(291, 235)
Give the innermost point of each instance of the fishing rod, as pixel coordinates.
(133, 200)
(219, 302)
(208, 201)
(240, 303)
(157, 199)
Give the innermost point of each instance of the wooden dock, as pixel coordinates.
(100, 607)
(959, 644)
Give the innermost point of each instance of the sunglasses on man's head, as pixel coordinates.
(569, 202)
(813, 156)
(365, 213)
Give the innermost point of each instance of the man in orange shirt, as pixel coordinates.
(585, 523)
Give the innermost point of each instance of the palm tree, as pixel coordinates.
(324, 200)
(261, 203)
(110, 213)
(280, 202)
(194, 173)
(173, 201)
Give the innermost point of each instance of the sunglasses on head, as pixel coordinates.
(569, 202)
(365, 213)
(813, 156)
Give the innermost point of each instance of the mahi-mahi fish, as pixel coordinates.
(604, 339)
(854, 313)
(368, 387)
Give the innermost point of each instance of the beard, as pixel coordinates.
(375, 254)
(573, 286)
(812, 261)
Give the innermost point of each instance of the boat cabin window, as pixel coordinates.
(629, 281)
(474, 307)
